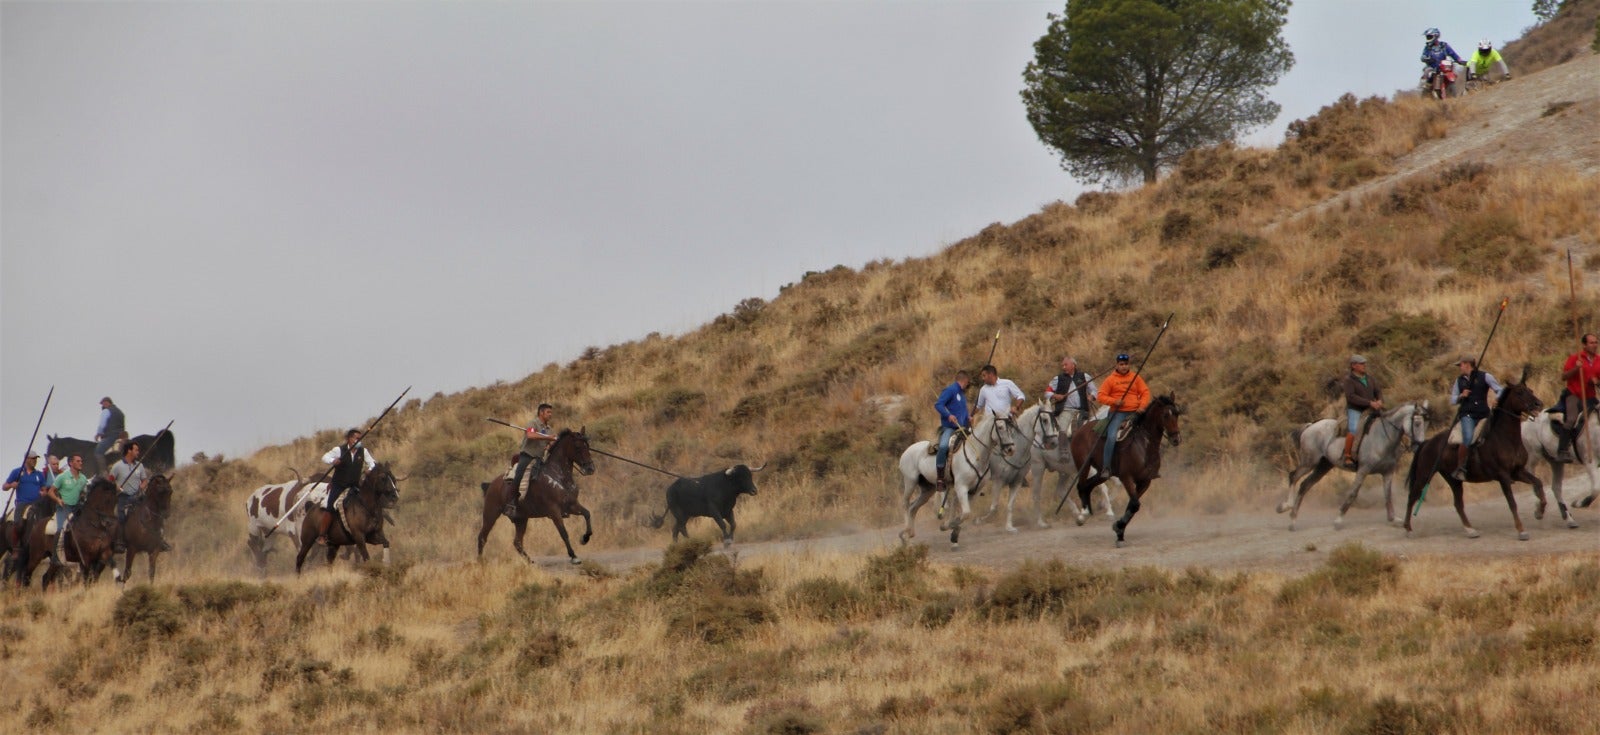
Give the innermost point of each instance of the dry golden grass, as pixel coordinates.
(820, 643)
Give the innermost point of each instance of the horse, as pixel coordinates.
(1059, 461)
(363, 519)
(158, 456)
(1034, 434)
(33, 546)
(1137, 459)
(1539, 437)
(551, 494)
(143, 531)
(1500, 458)
(1320, 447)
(968, 466)
(265, 510)
(88, 541)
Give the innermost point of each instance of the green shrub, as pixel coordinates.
(1405, 340)
(1560, 642)
(541, 651)
(739, 676)
(1041, 708)
(1352, 570)
(1035, 590)
(891, 579)
(144, 612)
(826, 598)
(1489, 244)
(719, 618)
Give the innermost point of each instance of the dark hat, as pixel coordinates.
(106, 399)
(1124, 357)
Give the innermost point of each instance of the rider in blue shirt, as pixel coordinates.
(1435, 50)
(27, 482)
(952, 406)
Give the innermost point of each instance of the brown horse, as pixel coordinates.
(1501, 458)
(363, 518)
(32, 547)
(88, 540)
(552, 494)
(144, 528)
(1137, 459)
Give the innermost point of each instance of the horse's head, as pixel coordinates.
(381, 483)
(101, 495)
(159, 492)
(573, 446)
(1045, 426)
(1004, 434)
(1417, 426)
(1165, 410)
(1519, 399)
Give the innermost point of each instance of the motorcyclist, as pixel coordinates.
(1484, 59)
(1434, 52)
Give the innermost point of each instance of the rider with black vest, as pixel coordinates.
(349, 460)
(1072, 389)
(111, 428)
(1470, 392)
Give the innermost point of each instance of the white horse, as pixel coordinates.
(267, 506)
(1320, 448)
(1539, 437)
(969, 466)
(1010, 472)
(1059, 461)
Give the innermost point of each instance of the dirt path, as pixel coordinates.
(1236, 541)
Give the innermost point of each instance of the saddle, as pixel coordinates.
(955, 443)
(1479, 434)
(1122, 431)
(1368, 419)
(534, 468)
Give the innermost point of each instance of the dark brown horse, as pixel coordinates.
(144, 529)
(363, 518)
(33, 547)
(1501, 458)
(1137, 459)
(551, 494)
(88, 537)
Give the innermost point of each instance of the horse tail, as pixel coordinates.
(657, 520)
(483, 487)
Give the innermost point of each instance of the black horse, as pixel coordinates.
(1137, 459)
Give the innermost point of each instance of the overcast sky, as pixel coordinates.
(262, 220)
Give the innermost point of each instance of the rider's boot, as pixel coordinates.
(1460, 472)
(1564, 447)
(1349, 444)
(323, 524)
(119, 544)
(511, 504)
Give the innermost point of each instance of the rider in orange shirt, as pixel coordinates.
(1125, 392)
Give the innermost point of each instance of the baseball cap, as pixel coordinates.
(32, 454)
(1357, 360)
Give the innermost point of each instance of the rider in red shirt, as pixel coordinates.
(1581, 371)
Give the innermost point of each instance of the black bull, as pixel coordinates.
(159, 456)
(707, 496)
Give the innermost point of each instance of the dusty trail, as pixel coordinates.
(1233, 541)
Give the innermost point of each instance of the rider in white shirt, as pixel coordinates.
(998, 396)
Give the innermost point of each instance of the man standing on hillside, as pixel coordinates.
(111, 427)
(999, 396)
(1361, 394)
(1126, 394)
(1070, 390)
(952, 408)
(535, 441)
(1582, 372)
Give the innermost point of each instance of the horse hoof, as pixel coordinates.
(1082, 520)
(574, 560)
(1571, 523)
(955, 546)
(1538, 513)
(1409, 534)
(1121, 543)
(1283, 507)
(1473, 533)
(1524, 535)
(1011, 529)
(1338, 524)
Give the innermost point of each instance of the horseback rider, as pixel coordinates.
(952, 408)
(1361, 395)
(1582, 373)
(1484, 59)
(130, 476)
(531, 452)
(27, 483)
(349, 461)
(999, 395)
(1126, 394)
(1470, 391)
(67, 492)
(1070, 390)
(111, 428)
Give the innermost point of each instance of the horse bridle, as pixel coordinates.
(1417, 410)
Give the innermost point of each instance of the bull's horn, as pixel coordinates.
(728, 472)
(762, 466)
(401, 479)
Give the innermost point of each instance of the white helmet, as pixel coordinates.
(1485, 46)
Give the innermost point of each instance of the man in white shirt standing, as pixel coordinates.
(998, 396)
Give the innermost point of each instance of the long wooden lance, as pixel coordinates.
(140, 463)
(325, 473)
(1416, 510)
(596, 451)
(31, 440)
(1077, 478)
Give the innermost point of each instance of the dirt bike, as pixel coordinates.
(1438, 82)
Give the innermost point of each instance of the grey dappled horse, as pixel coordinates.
(1042, 445)
(1319, 447)
(1060, 462)
(1010, 472)
(968, 466)
(1541, 442)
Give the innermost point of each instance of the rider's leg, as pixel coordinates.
(1572, 406)
(515, 493)
(1352, 424)
(326, 523)
(1469, 427)
(1111, 440)
(945, 433)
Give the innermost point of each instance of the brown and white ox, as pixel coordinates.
(268, 505)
